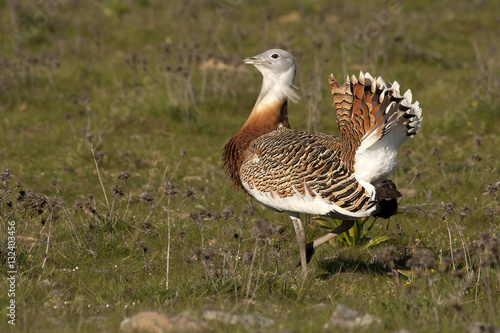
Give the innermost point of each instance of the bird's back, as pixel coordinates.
(294, 171)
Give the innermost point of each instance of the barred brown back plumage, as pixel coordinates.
(284, 162)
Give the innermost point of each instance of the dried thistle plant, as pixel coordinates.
(265, 231)
(170, 189)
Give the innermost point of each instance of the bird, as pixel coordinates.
(344, 177)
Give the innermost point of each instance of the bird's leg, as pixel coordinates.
(345, 226)
(301, 239)
(312, 246)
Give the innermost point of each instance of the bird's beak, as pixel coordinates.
(252, 60)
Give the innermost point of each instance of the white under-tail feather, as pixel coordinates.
(376, 157)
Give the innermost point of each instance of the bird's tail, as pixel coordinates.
(374, 120)
(370, 108)
(387, 195)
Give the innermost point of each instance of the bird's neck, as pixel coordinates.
(269, 113)
(270, 91)
(270, 109)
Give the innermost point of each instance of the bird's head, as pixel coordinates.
(277, 66)
(274, 61)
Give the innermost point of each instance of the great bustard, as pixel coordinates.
(305, 172)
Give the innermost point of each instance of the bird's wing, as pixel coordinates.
(368, 109)
(292, 171)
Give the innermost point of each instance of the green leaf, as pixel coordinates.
(405, 273)
(376, 241)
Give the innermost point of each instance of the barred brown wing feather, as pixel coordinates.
(285, 168)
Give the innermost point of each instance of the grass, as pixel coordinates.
(113, 120)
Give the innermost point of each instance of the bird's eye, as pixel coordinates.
(275, 55)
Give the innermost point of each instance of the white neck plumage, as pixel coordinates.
(277, 88)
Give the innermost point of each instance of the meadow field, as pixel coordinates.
(112, 197)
